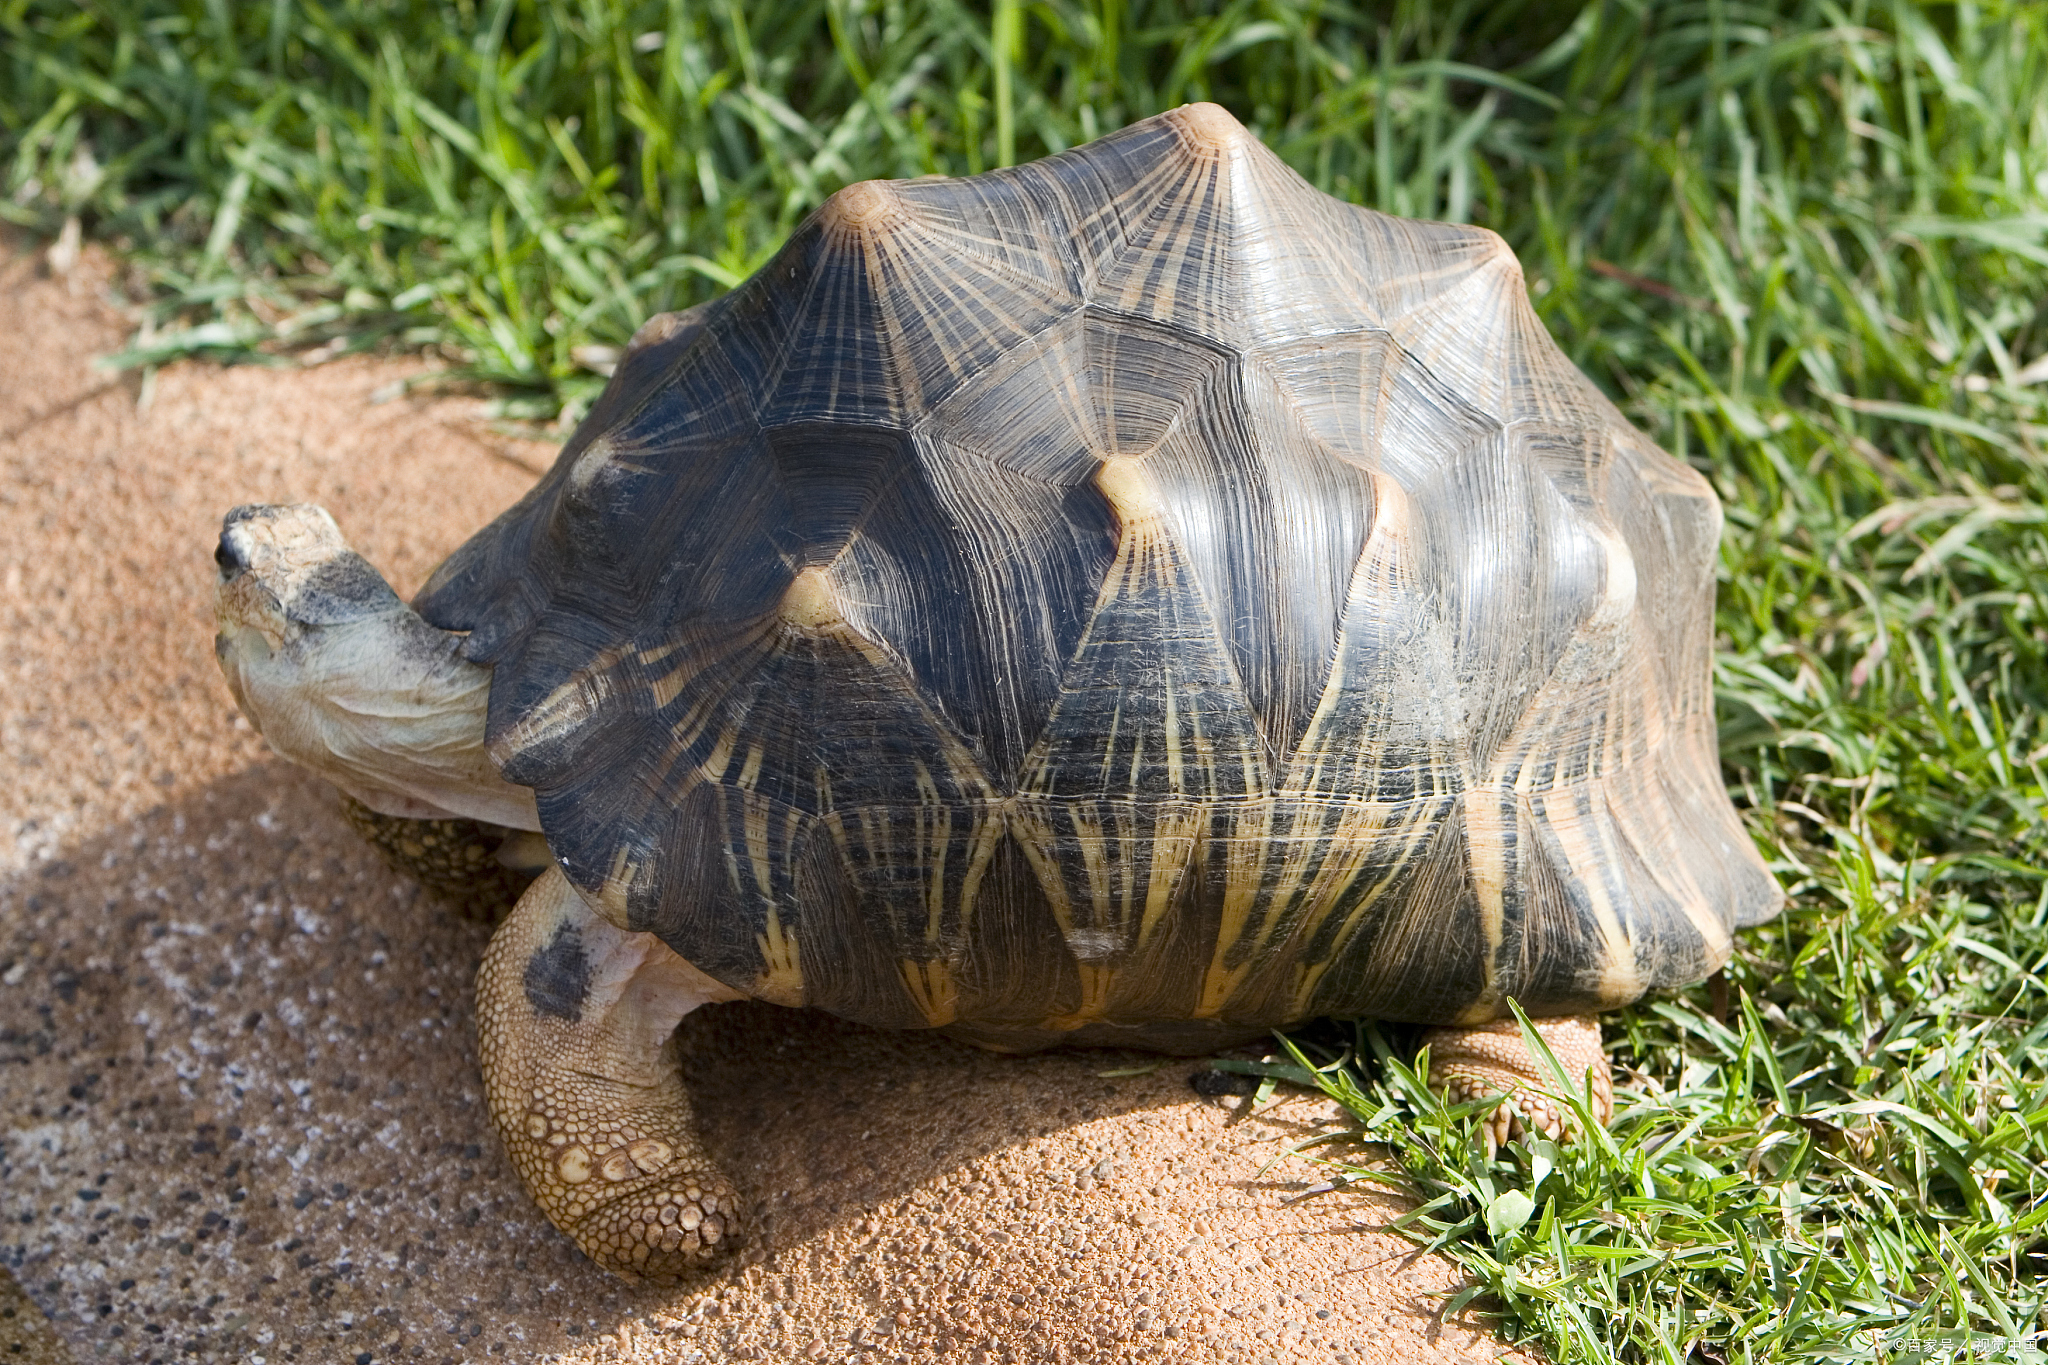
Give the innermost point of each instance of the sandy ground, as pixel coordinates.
(243, 1118)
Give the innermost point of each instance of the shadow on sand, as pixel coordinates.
(239, 1063)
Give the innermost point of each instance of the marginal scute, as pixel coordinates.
(552, 726)
(613, 897)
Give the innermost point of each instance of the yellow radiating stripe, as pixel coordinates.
(877, 837)
(966, 773)
(1097, 979)
(1293, 885)
(936, 838)
(714, 767)
(932, 989)
(968, 778)
(1130, 848)
(794, 823)
(781, 980)
(1034, 834)
(1252, 763)
(1379, 571)
(938, 842)
(700, 659)
(754, 820)
(586, 694)
(614, 895)
(750, 772)
(1174, 828)
(1305, 846)
(1150, 291)
(1205, 755)
(1363, 832)
(988, 836)
(1087, 824)
(918, 265)
(1584, 853)
(1243, 870)
(1486, 861)
(690, 726)
(1077, 406)
(1218, 984)
(1175, 779)
(927, 791)
(937, 288)
(1656, 731)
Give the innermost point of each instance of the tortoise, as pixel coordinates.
(1127, 599)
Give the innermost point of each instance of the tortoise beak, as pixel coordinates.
(229, 555)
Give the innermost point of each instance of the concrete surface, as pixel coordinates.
(243, 1118)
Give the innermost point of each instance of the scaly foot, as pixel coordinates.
(575, 1018)
(1492, 1059)
(478, 869)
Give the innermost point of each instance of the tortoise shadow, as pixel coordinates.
(820, 1120)
(240, 1056)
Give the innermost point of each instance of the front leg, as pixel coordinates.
(576, 1021)
(478, 869)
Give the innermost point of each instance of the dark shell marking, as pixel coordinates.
(1125, 589)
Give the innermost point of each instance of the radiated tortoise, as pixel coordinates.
(1132, 598)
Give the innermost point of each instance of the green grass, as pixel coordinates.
(1805, 244)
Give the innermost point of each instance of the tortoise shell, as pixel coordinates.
(1128, 596)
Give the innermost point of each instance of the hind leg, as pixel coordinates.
(1491, 1059)
(575, 1018)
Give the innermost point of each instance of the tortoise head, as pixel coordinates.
(284, 568)
(342, 677)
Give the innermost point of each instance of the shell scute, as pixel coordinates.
(812, 345)
(1231, 244)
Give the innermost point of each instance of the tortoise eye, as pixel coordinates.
(228, 556)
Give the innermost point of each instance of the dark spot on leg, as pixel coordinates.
(558, 976)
